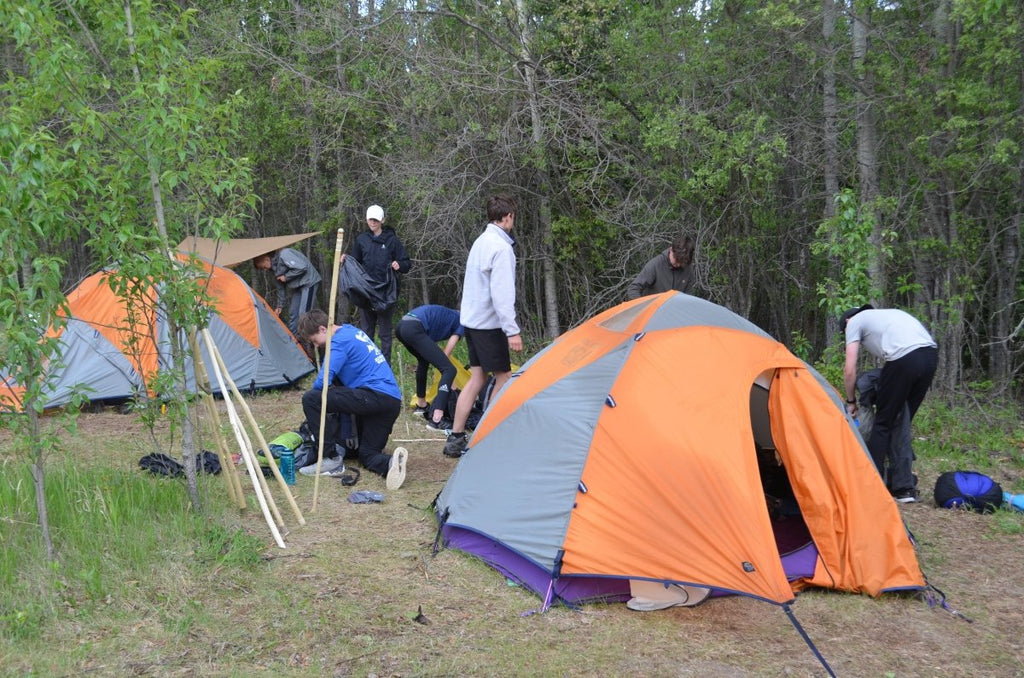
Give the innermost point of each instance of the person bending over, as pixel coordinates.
(360, 383)
(419, 330)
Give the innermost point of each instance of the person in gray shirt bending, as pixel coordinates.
(911, 356)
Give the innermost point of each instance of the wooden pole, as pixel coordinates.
(327, 364)
(251, 452)
(236, 425)
(213, 350)
(203, 386)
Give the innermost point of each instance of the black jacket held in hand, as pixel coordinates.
(376, 252)
(365, 292)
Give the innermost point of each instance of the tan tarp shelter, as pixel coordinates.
(237, 250)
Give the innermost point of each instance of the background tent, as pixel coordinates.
(115, 353)
(237, 250)
(642, 444)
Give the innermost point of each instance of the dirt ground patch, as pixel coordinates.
(366, 595)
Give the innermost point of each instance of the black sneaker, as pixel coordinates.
(443, 425)
(456, 446)
(421, 411)
(907, 496)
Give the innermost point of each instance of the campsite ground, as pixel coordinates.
(359, 592)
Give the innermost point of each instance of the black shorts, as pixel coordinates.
(488, 350)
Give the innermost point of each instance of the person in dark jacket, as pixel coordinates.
(381, 254)
(671, 270)
(297, 282)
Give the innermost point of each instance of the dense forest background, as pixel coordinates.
(824, 154)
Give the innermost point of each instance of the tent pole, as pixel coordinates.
(256, 430)
(203, 384)
(236, 425)
(327, 363)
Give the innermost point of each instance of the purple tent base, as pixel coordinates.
(581, 589)
(571, 589)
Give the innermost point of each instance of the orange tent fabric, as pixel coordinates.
(631, 449)
(112, 349)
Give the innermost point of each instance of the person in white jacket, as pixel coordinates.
(488, 313)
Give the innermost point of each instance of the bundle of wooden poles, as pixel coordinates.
(244, 436)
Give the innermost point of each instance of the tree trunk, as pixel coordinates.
(178, 352)
(1007, 271)
(830, 139)
(830, 105)
(867, 143)
(529, 70)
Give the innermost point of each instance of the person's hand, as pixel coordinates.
(851, 408)
(394, 265)
(515, 342)
(277, 310)
(280, 278)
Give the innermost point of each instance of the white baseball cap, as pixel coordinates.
(375, 212)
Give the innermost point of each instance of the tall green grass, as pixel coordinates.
(974, 435)
(977, 436)
(110, 527)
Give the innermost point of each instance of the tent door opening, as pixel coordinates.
(791, 533)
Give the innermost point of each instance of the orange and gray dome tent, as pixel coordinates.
(110, 353)
(642, 445)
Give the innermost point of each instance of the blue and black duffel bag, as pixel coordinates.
(968, 489)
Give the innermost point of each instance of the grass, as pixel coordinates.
(146, 587)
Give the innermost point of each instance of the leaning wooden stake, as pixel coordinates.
(236, 425)
(215, 352)
(251, 451)
(203, 386)
(327, 364)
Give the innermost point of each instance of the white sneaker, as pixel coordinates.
(396, 470)
(332, 466)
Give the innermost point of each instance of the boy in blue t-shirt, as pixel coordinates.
(360, 383)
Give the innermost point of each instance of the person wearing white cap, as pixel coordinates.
(381, 254)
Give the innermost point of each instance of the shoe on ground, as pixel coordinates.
(456, 445)
(332, 466)
(908, 496)
(420, 411)
(396, 469)
(443, 425)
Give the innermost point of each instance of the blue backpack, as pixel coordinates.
(968, 489)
